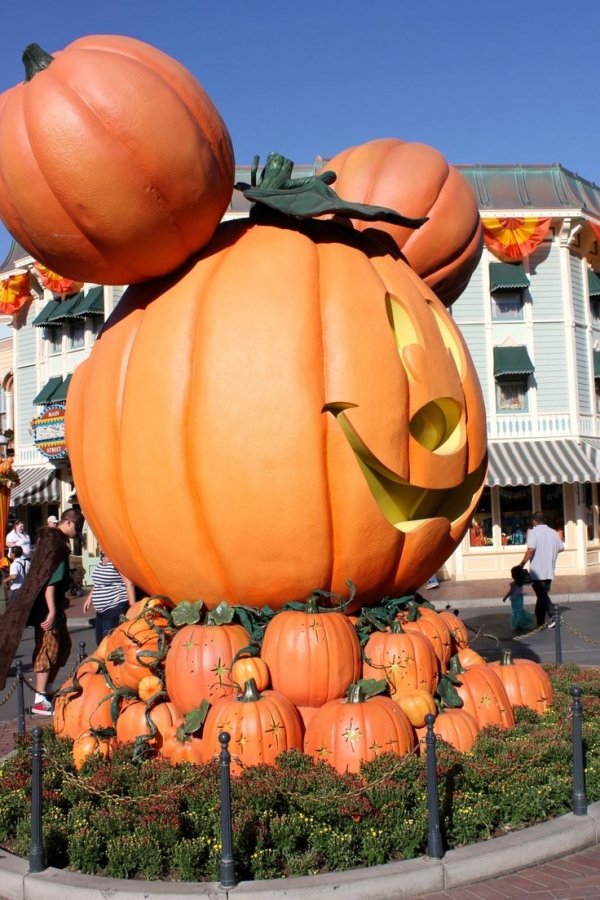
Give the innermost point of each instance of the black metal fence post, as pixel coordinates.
(434, 835)
(557, 636)
(36, 848)
(81, 651)
(579, 798)
(20, 698)
(227, 868)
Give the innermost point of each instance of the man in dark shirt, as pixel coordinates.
(52, 639)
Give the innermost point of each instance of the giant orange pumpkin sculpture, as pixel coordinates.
(297, 404)
(115, 166)
(418, 180)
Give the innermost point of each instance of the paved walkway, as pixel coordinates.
(571, 878)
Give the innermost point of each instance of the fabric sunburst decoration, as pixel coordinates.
(512, 240)
(14, 292)
(54, 282)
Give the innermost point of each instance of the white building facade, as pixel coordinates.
(532, 326)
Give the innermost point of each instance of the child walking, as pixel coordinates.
(520, 617)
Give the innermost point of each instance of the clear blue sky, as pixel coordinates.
(499, 82)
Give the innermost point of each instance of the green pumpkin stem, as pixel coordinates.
(355, 694)
(396, 627)
(506, 658)
(455, 668)
(35, 60)
(305, 198)
(250, 693)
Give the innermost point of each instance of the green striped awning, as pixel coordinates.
(91, 304)
(508, 277)
(541, 462)
(60, 394)
(37, 484)
(47, 312)
(512, 361)
(594, 283)
(596, 363)
(46, 395)
(66, 309)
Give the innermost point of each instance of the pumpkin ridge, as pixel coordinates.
(328, 507)
(197, 358)
(129, 149)
(166, 67)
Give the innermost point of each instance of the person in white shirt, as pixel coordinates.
(18, 537)
(19, 566)
(543, 546)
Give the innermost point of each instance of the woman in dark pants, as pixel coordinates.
(111, 596)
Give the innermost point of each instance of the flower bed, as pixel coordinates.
(148, 819)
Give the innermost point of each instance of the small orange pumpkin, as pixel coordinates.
(148, 686)
(433, 626)
(83, 705)
(469, 657)
(350, 730)
(417, 179)
(406, 659)
(483, 695)
(321, 645)
(247, 667)
(89, 743)
(459, 635)
(115, 166)
(178, 746)
(260, 726)
(198, 663)
(132, 722)
(455, 726)
(415, 705)
(525, 682)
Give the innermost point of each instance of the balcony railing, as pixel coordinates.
(545, 426)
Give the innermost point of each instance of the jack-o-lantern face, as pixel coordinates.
(294, 409)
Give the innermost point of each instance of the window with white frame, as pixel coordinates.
(511, 394)
(76, 334)
(508, 306)
(54, 336)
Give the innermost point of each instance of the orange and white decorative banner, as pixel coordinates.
(14, 293)
(512, 240)
(56, 283)
(596, 229)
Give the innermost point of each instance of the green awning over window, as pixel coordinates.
(48, 311)
(596, 363)
(594, 283)
(91, 304)
(60, 394)
(512, 361)
(66, 309)
(508, 277)
(46, 395)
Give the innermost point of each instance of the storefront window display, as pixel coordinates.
(480, 532)
(515, 514)
(511, 394)
(551, 498)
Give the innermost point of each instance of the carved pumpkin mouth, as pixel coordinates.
(407, 506)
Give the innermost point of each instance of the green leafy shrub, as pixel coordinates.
(131, 819)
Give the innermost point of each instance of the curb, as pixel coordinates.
(411, 878)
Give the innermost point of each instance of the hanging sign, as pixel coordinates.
(49, 432)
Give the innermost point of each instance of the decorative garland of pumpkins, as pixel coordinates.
(170, 679)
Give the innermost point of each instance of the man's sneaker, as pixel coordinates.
(552, 623)
(42, 708)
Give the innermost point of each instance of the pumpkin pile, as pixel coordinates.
(323, 423)
(343, 689)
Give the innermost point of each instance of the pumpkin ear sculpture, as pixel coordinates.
(418, 180)
(115, 166)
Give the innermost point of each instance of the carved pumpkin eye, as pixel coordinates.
(436, 425)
